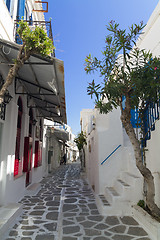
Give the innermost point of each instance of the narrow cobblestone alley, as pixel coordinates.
(65, 209)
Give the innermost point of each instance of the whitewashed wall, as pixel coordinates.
(13, 188)
(6, 22)
(150, 40)
(104, 137)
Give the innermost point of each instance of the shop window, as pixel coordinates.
(21, 8)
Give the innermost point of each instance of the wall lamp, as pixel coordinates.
(7, 97)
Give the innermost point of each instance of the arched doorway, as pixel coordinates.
(18, 136)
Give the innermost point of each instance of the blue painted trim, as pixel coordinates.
(111, 154)
(21, 8)
(8, 4)
(134, 114)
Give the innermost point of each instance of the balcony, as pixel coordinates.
(33, 24)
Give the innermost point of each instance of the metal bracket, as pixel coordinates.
(33, 84)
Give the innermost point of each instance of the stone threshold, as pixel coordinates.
(151, 226)
(8, 215)
(32, 189)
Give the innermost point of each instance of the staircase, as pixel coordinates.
(125, 192)
(119, 199)
(127, 189)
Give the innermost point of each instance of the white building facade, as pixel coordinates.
(110, 161)
(71, 147)
(33, 97)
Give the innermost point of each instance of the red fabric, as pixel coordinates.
(16, 163)
(27, 162)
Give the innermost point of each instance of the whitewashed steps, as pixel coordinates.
(136, 186)
(120, 197)
(111, 194)
(104, 201)
(114, 208)
(129, 178)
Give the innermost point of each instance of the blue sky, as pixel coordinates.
(79, 28)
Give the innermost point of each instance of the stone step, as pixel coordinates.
(121, 196)
(33, 189)
(121, 186)
(103, 199)
(117, 208)
(111, 194)
(126, 190)
(129, 178)
(135, 192)
(8, 215)
(123, 183)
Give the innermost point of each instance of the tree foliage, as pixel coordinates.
(80, 140)
(128, 73)
(34, 41)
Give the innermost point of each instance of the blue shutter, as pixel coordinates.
(8, 4)
(134, 114)
(134, 118)
(21, 8)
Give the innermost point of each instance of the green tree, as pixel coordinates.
(34, 42)
(80, 140)
(131, 73)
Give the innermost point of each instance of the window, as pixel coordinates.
(20, 8)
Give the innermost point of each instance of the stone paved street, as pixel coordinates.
(65, 209)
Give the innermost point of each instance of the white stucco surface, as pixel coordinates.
(12, 188)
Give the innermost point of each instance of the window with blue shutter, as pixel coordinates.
(21, 9)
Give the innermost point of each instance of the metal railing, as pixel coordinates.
(151, 115)
(33, 24)
(110, 154)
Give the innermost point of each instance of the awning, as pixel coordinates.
(61, 134)
(43, 81)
